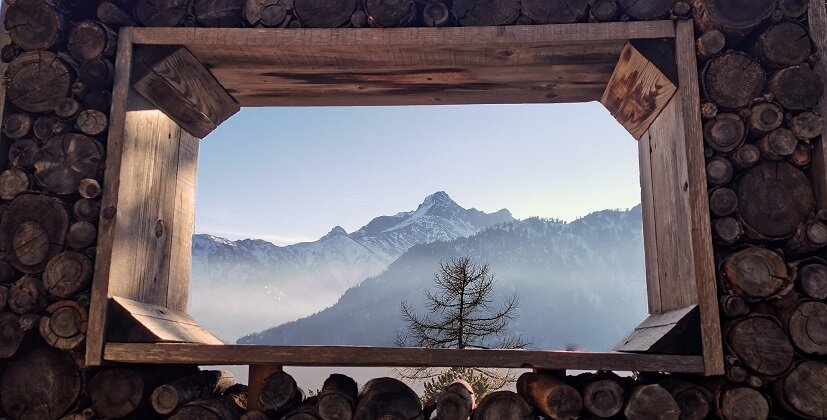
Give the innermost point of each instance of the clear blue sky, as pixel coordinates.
(290, 174)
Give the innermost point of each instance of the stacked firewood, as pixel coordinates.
(761, 130)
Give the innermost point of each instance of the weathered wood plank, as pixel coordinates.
(650, 242)
(637, 92)
(395, 357)
(106, 230)
(671, 332)
(818, 33)
(141, 322)
(180, 252)
(4, 39)
(175, 81)
(701, 226)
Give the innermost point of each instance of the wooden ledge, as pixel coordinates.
(395, 357)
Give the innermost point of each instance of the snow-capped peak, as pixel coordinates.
(336, 231)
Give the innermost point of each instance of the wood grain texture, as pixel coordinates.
(106, 229)
(650, 243)
(671, 332)
(181, 244)
(818, 32)
(176, 82)
(637, 92)
(410, 66)
(258, 374)
(141, 322)
(395, 357)
(701, 230)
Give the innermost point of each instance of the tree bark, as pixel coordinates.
(726, 132)
(337, 400)
(723, 202)
(764, 118)
(718, 171)
(783, 45)
(732, 79)
(13, 182)
(67, 274)
(266, 13)
(168, 397)
(550, 396)
(457, 402)
(555, 11)
(651, 402)
(65, 326)
(735, 403)
(161, 12)
(755, 273)
(218, 13)
(387, 397)
(735, 18)
(86, 210)
(709, 44)
(746, 156)
(324, 13)
(90, 40)
(32, 231)
(34, 24)
(503, 405)
(17, 126)
(646, 10)
(65, 160)
(761, 345)
(774, 199)
(807, 126)
(796, 88)
(229, 406)
(41, 384)
(489, 12)
(37, 81)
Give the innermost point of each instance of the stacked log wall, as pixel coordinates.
(762, 131)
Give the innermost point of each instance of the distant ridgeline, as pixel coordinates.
(761, 68)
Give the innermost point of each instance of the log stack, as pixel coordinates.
(762, 129)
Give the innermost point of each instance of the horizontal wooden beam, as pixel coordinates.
(400, 37)
(395, 357)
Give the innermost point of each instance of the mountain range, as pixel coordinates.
(238, 287)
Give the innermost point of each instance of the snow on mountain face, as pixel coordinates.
(254, 284)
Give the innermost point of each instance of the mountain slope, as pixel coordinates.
(255, 284)
(580, 283)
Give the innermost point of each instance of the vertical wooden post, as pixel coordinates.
(258, 373)
(818, 33)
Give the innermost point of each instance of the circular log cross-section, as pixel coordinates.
(89, 188)
(456, 402)
(116, 392)
(774, 198)
(279, 393)
(17, 126)
(723, 202)
(337, 399)
(86, 210)
(168, 397)
(489, 12)
(81, 235)
(726, 132)
(755, 273)
(48, 127)
(387, 398)
(746, 156)
(555, 11)
(812, 278)
(736, 18)
(265, 13)
(549, 395)
(503, 405)
(765, 117)
(603, 398)
(710, 43)
(67, 108)
(646, 10)
(65, 326)
(229, 406)
(651, 402)
(38, 81)
(807, 126)
(27, 295)
(65, 160)
(218, 13)
(13, 182)
(803, 389)
(808, 328)
(161, 12)
(718, 171)
(97, 73)
(796, 88)
(436, 14)
(33, 24)
(11, 334)
(67, 274)
(324, 13)
(390, 13)
(732, 79)
(605, 10)
(762, 346)
(89, 40)
(41, 384)
(783, 45)
(778, 144)
(742, 403)
(32, 231)
(727, 230)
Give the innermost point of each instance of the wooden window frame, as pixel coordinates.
(165, 97)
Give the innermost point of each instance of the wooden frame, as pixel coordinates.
(147, 211)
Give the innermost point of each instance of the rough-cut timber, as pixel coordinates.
(555, 11)
(168, 397)
(37, 81)
(22, 390)
(503, 405)
(324, 13)
(551, 396)
(63, 161)
(489, 12)
(33, 24)
(337, 399)
(32, 231)
(732, 79)
(382, 397)
(774, 198)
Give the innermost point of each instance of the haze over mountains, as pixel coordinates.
(579, 283)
